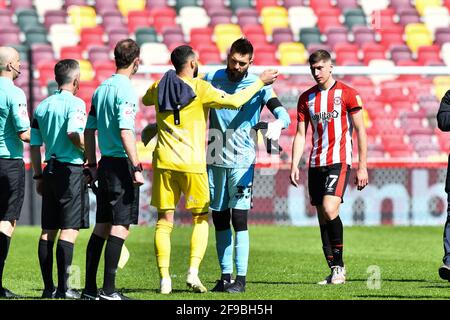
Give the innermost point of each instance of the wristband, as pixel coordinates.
(138, 168)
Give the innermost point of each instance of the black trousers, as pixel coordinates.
(446, 258)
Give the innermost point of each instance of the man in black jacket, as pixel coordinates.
(443, 119)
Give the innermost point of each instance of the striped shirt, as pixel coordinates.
(329, 113)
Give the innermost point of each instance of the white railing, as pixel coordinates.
(304, 70)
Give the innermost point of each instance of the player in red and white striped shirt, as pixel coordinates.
(333, 109)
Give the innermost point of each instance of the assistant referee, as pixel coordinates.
(59, 122)
(14, 130)
(112, 114)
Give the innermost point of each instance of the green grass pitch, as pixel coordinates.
(285, 264)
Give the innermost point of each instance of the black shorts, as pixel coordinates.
(329, 180)
(65, 198)
(117, 196)
(12, 188)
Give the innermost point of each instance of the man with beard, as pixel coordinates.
(231, 166)
(182, 102)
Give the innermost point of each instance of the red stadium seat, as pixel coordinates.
(86, 91)
(345, 47)
(391, 36)
(46, 72)
(75, 52)
(91, 37)
(373, 51)
(328, 21)
(209, 54)
(426, 54)
(138, 19)
(405, 153)
(201, 36)
(265, 57)
(104, 70)
(317, 5)
(255, 33)
(260, 4)
(163, 17)
(383, 19)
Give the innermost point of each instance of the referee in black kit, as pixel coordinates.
(59, 122)
(443, 120)
(14, 130)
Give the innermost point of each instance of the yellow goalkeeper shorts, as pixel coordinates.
(169, 184)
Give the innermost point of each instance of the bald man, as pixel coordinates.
(14, 130)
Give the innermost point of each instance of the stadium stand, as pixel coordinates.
(375, 33)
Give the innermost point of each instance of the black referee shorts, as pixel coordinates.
(12, 188)
(328, 180)
(65, 198)
(117, 196)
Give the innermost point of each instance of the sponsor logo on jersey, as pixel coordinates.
(23, 110)
(325, 116)
(129, 109)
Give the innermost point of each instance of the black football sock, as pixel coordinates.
(64, 255)
(326, 245)
(336, 235)
(93, 255)
(241, 279)
(112, 256)
(45, 253)
(4, 248)
(226, 277)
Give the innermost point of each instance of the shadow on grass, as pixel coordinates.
(348, 281)
(445, 286)
(391, 280)
(280, 282)
(409, 297)
(141, 290)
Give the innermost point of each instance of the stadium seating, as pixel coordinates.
(399, 111)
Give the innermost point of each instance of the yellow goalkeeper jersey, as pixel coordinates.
(182, 147)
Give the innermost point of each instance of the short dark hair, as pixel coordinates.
(64, 70)
(319, 55)
(243, 47)
(180, 56)
(125, 52)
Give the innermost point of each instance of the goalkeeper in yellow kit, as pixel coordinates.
(182, 102)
